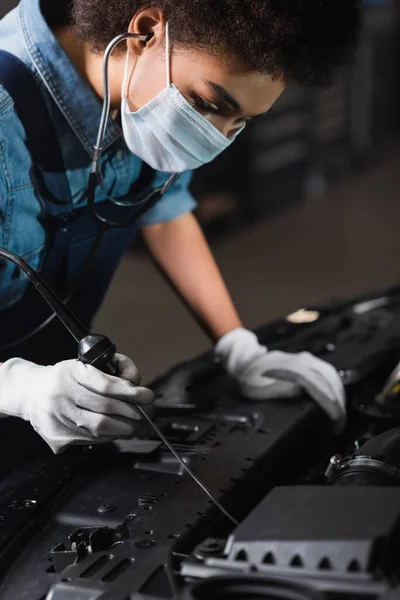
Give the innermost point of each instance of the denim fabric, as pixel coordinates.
(75, 111)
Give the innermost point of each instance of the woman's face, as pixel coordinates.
(229, 96)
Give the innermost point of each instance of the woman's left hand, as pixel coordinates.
(264, 375)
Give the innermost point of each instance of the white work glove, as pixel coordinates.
(264, 375)
(73, 403)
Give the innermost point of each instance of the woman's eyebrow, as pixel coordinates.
(229, 99)
(224, 95)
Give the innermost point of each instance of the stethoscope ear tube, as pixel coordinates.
(154, 196)
(106, 102)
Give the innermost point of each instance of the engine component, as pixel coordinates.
(124, 520)
(82, 542)
(389, 397)
(339, 538)
(356, 337)
(317, 529)
(251, 588)
(376, 463)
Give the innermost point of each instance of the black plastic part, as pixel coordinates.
(62, 558)
(153, 511)
(391, 404)
(318, 529)
(384, 447)
(251, 588)
(392, 594)
(355, 338)
(98, 351)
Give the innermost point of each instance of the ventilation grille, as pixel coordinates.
(308, 559)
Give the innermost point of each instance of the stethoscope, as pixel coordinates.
(155, 195)
(144, 205)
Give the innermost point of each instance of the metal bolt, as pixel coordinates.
(334, 464)
(105, 508)
(211, 546)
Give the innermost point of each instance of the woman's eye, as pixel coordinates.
(205, 106)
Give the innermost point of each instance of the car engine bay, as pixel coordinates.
(318, 510)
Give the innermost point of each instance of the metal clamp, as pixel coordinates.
(367, 464)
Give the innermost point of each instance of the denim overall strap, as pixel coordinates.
(44, 148)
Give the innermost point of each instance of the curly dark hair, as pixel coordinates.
(294, 40)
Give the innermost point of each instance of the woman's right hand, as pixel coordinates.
(73, 403)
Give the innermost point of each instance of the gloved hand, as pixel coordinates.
(264, 375)
(73, 403)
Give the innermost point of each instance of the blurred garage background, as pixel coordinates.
(302, 209)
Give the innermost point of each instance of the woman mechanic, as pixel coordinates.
(181, 92)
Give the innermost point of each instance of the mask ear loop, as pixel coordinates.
(167, 55)
(167, 64)
(126, 75)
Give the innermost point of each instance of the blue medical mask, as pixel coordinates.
(168, 133)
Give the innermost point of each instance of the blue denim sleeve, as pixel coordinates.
(176, 202)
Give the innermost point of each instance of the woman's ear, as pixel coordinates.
(147, 21)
